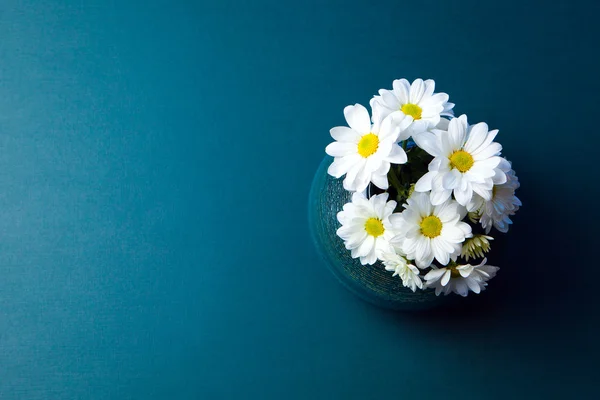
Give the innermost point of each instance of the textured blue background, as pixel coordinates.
(155, 161)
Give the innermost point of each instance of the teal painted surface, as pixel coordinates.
(155, 164)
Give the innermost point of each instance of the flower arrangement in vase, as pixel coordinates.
(424, 190)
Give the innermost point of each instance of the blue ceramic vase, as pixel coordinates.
(370, 282)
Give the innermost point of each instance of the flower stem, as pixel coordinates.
(394, 181)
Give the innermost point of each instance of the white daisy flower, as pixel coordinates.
(407, 272)
(497, 211)
(460, 278)
(465, 162)
(426, 232)
(417, 100)
(366, 228)
(364, 151)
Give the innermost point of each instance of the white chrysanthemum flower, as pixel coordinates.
(460, 278)
(465, 162)
(417, 100)
(364, 151)
(496, 212)
(503, 204)
(426, 232)
(366, 228)
(407, 272)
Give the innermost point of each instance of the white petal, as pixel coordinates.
(461, 288)
(424, 183)
(448, 109)
(452, 234)
(448, 247)
(380, 112)
(490, 270)
(481, 190)
(358, 118)
(446, 142)
(443, 124)
(389, 99)
(452, 179)
(383, 169)
(397, 155)
(429, 88)
(416, 91)
(476, 202)
(446, 278)
(435, 102)
(417, 127)
(369, 259)
(423, 249)
(473, 285)
(388, 129)
(458, 129)
(463, 197)
(421, 204)
(447, 212)
(401, 90)
(352, 174)
(505, 166)
(440, 196)
(428, 142)
(378, 201)
(341, 166)
(356, 239)
(344, 134)
(492, 150)
(499, 177)
(489, 139)
(362, 181)
(477, 136)
(435, 274)
(341, 149)
(425, 262)
(438, 164)
(466, 228)
(389, 208)
(367, 246)
(439, 253)
(404, 125)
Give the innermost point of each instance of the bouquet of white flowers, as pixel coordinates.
(427, 189)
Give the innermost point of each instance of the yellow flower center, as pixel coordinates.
(413, 110)
(461, 160)
(431, 226)
(374, 227)
(368, 145)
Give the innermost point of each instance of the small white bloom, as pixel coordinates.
(497, 211)
(426, 232)
(366, 228)
(417, 100)
(460, 278)
(465, 162)
(364, 151)
(407, 272)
